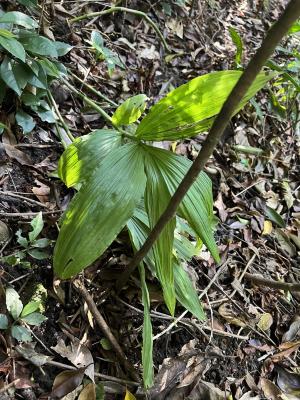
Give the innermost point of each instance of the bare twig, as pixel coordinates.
(260, 281)
(27, 214)
(129, 11)
(275, 34)
(10, 194)
(79, 286)
(97, 374)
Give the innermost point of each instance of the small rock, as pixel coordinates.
(4, 232)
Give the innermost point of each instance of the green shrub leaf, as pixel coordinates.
(3, 321)
(34, 318)
(157, 197)
(37, 225)
(197, 205)
(18, 18)
(8, 76)
(81, 158)
(191, 108)
(186, 293)
(147, 350)
(21, 333)
(39, 45)
(14, 47)
(13, 303)
(237, 40)
(130, 111)
(30, 308)
(25, 121)
(100, 210)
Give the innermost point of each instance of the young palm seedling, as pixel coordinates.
(124, 180)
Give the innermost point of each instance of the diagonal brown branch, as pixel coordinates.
(274, 36)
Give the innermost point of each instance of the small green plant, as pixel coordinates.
(19, 316)
(27, 67)
(31, 245)
(104, 53)
(126, 181)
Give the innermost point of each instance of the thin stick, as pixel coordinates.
(10, 194)
(260, 281)
(11, 384)
(79, 286)
(275, 34)
(97, 374)
(65, 126)
(129, 11)
(93, 90)
(28, 214)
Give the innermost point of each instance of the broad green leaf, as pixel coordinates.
(41, 243)
(147, 349)
(28, 3)
(7, 34)
(3, 321)
(186, 293)
(38, 254)
(197, 205)
(18, 18)
(100, 210)
(21, 333)
(130, 111)
(22, 74)
(30, 307)
(8, 76)
(81, 158)
(13, 303)
(97, 41)
(62, 48)
(14, 47)
(191, 108)
(294, 28)
(21, 239)
(39, 45)
(37, 225)
(157, 197)
(274, 217)
(238, 43)
(34, 318)
(25, 121)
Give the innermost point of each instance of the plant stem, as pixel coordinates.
(129, 11)
(91, 89)
(88, 101)
(98, 109)
(275, 34)
(65, 126)
(261, 281)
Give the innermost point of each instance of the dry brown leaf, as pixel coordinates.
(265, 322)
(17, 154)
(66, 382)
(226, 311)
(88, 392)
(270, 390)
(286, 348)
(78, 354)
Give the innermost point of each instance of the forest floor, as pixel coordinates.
(248, 346)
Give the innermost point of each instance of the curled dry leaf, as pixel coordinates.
(270, 390)
(17, 154)
(27, 351)
(265, 322)
(288, 382)
(66, 382)
(293, 332)
(226, 311)
(88, 392)
(78, 354)
(286, 349)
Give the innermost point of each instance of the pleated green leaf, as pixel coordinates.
(138, 227)
(197, 205)
(81, 158)
(186, 293)
(147, 351)
(129, 111)
(157, 197)
(190, 109)
(100, 210)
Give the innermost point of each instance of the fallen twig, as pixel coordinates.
(79, 286)
(260, 281)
